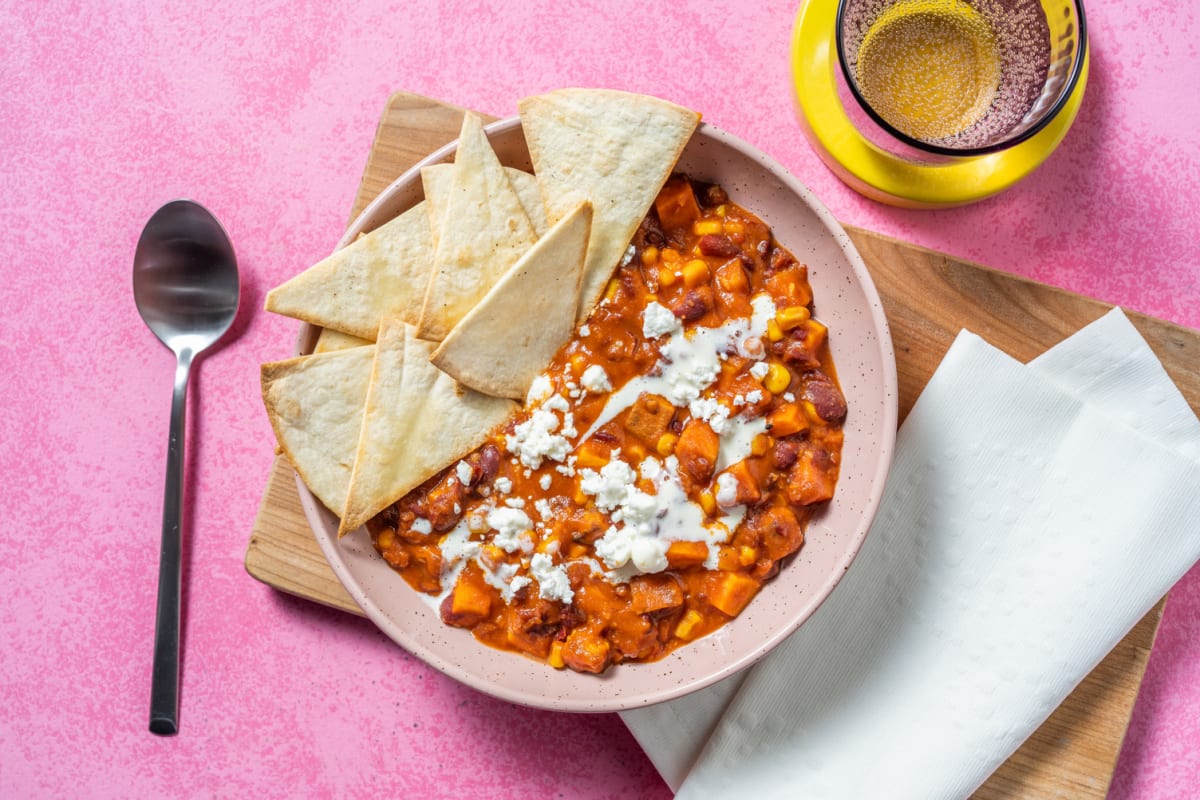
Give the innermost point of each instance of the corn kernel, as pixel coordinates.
(687, 625)
(670, 255)
(722, 210)
(555, 658)
(650, 256)
(610, 291)
(704, 227)
(695, 273)
(774, 332)
(747, 556)
(635, 451)
(575, 551)
(666, 276)
(760, 445)
(385, 539)
(792, 316)
(732, 226)
(579, 363)
(777, 379)
(666, 444)
(708, 503)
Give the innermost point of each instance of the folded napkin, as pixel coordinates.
(1033, 515)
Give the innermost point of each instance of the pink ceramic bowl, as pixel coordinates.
(846, 300)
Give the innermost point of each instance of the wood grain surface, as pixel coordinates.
(928, 298)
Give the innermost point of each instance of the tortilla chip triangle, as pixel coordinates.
(613, 148)
(329, 340)
(502, 344)
(417, 421)
(315, 404)
(383, 273)
(437, 179)
(490, 231)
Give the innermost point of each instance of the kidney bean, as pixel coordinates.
(694, 304)
(718, 245)
(825, 396)
(785, 453)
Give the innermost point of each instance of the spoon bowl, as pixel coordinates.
(186, 287)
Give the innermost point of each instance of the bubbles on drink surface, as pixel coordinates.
(952, 73)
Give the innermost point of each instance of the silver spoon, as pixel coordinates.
(185, 284)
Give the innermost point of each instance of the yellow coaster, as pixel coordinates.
(886, 177)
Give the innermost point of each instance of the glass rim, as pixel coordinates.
(1003, 144)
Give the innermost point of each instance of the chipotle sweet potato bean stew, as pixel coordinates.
(665, 464)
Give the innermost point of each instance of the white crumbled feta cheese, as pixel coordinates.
(754, 396)
(535, 439)
(649, 554)
(503, 485)
(712, 412)
(595, 379)
(615, 546)
(788, 396)
(512, 528)
(759, 370)
(543, 508)
(553, 583)
(610, 486)
(557, 403)
(422, 525)
(515, 502)
(540, 389)
(544, 482)
(584, 330)
(726, 490)
(464, 472)
(657, 320)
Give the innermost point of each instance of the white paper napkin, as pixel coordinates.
(1033, 515)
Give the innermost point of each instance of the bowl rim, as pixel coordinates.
(314, 510)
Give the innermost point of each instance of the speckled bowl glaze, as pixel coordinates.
(846, 300)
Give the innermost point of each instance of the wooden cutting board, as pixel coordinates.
(928, 298)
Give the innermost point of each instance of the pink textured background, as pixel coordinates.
(264, 111)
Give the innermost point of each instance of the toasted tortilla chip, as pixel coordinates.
(613, 148)
(383, 273)
(436, 180)
(330, 341)
(488, 232)
(502, 344)
(417, 421)
(315, 404)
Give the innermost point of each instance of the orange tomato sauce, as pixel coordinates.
(559, 591)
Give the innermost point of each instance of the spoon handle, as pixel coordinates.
(164, 686)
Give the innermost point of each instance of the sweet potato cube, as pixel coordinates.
(467, 606)
(786, 420)
(686, 554)
(811, 479)
(697, 450)
(676, 204)
(729, 592)
(649, 418)
(747, 491)
(654, 593)
(585, 650)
